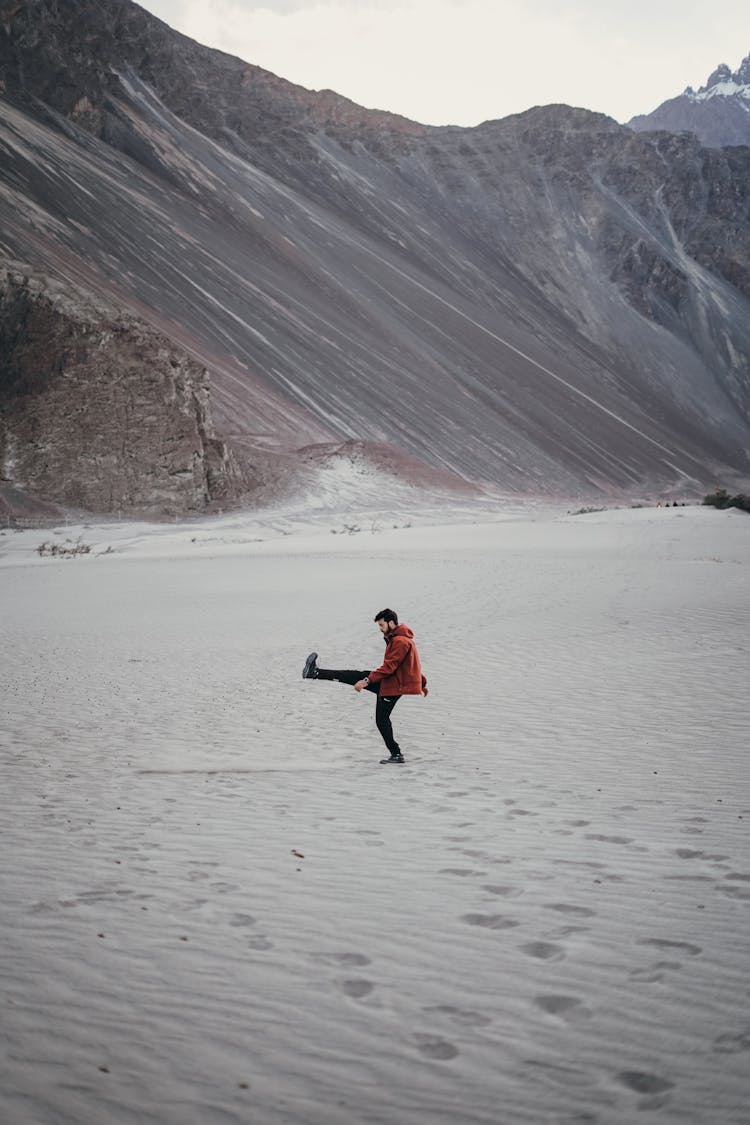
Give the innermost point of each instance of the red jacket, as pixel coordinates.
(400, 673)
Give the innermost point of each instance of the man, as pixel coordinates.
(399, 674)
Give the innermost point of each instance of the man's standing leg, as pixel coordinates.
(383, 709)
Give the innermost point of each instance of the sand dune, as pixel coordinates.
(217, 907)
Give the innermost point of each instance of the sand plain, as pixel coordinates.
(216, 907)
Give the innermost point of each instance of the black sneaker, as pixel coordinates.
(395, 759)
(310, 671)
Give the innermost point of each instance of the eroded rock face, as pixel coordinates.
(99, 412)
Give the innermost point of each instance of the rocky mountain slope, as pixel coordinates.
(550, 303)
(718, 113)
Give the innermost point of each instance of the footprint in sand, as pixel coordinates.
(731, 1043)
(679, 946)
(502, 889)
(433, 1047)
(735, 892)
(567, 1007)
(609, 839)
(485, 856)
(462, 1016)
(567, 908)
(242, 920)
(352, 960)
(740, 892)
(644, 1083)
(489, 921)
(459, 871)
(690, 878)
(260, 942)
(654, 973)
(357, 989)
(689, 853)
(563, 932)
(544, 950)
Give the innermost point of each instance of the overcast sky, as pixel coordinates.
(459, 62)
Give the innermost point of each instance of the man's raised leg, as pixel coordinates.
(350, 676)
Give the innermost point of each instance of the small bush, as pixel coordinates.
(722, 499)
(347, 529)
(69, 549)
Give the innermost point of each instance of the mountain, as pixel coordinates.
(718, 113)
(548, 304)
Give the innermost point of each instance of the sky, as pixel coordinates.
(460, 62)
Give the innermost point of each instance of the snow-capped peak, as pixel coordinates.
(723, 83)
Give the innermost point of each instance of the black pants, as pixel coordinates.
(383, 707)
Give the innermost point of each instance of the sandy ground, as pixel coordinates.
(216, 907)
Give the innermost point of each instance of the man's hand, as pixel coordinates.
(360, 684)
(425, 690)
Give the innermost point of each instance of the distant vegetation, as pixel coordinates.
(722, 499)
(70, 549)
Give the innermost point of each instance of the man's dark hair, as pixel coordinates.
(387, 615)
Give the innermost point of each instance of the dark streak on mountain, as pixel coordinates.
(550, 303)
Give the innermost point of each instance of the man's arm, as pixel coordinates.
(395, 654)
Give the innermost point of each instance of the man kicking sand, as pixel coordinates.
(399, 674)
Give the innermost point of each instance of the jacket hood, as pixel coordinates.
(402, 631)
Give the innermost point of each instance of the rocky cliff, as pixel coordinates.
(101, 412)
(550, 303)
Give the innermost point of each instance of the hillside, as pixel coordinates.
(550, 304)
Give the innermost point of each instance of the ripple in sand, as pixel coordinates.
(465, 1017)
(562, 1075)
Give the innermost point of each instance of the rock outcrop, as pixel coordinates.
(99, 411)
